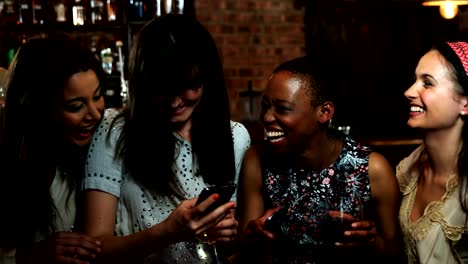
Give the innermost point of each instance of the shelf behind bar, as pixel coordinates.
(391, 142)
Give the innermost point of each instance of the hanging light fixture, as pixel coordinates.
(448, 8)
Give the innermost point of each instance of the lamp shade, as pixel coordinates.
(448, 9)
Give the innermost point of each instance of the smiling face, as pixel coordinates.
(183, 105)
(288, 115)
(434, 100)
(82, 108)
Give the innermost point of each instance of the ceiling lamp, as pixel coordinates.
(448, 9)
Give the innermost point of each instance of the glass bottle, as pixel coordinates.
(178, 6)
(112, 10)
(157, 8)
(24, 12)
(97, 11)
(60, 10)
(78, 13)
(8, 14)
(107, 60)
(37, 12)
(138, 9)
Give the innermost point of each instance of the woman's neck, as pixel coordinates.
(185, 130)
(321, 153)
(442, 148)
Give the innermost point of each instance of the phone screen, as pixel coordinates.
(225, 193)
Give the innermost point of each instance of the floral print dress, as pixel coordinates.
(306, 197)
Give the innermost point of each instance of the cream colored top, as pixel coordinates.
(439, 235)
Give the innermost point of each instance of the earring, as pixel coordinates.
(462, 113)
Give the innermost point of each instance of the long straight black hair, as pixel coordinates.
(171, 54)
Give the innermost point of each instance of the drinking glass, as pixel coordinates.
(339, 219)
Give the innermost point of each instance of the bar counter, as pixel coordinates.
(393, 149)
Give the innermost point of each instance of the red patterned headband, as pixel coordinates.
(461, 49)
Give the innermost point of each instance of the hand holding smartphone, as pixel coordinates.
(225, 193)
(273, 222)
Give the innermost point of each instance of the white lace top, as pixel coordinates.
(439, 235)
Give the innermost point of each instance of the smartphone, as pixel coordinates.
(225, 193)
(273, 223)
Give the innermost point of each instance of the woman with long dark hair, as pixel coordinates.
(149, 162)
(54, 102)
(434, 178)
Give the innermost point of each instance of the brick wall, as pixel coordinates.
(253, 37)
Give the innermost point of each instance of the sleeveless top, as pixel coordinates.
(306, 196)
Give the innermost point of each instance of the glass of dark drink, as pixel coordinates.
(334, 229)
(339, 219)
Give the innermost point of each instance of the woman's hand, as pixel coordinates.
(225, 230)
(62, 247)
(189, 220)
(255, 244)
(361, 234)
(255, 228)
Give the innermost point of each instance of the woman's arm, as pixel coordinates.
(99, 221)
(386, 199)
(61, 247)
(250, 197)
(184, 223)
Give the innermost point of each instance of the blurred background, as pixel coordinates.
(374, 45)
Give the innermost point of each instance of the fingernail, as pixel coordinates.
(338, 244)
(215, 196)
(347, 233)
(233, 204)
(98, 243)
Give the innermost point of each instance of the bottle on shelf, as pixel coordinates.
(120, 66)
(163, 7)
(112, 10)
(107, 60)
(138, 10)
(60, 9)
(38, 15)
(78, 13)
(178, 6)
(157, 8)
(8, 13)
(97, 11)
(24, 12)
(167, 6)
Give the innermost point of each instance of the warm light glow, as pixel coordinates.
(448, 9)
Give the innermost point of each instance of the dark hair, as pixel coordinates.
(316, 77)
(460, 78)
(171, 54)
(30, 138)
